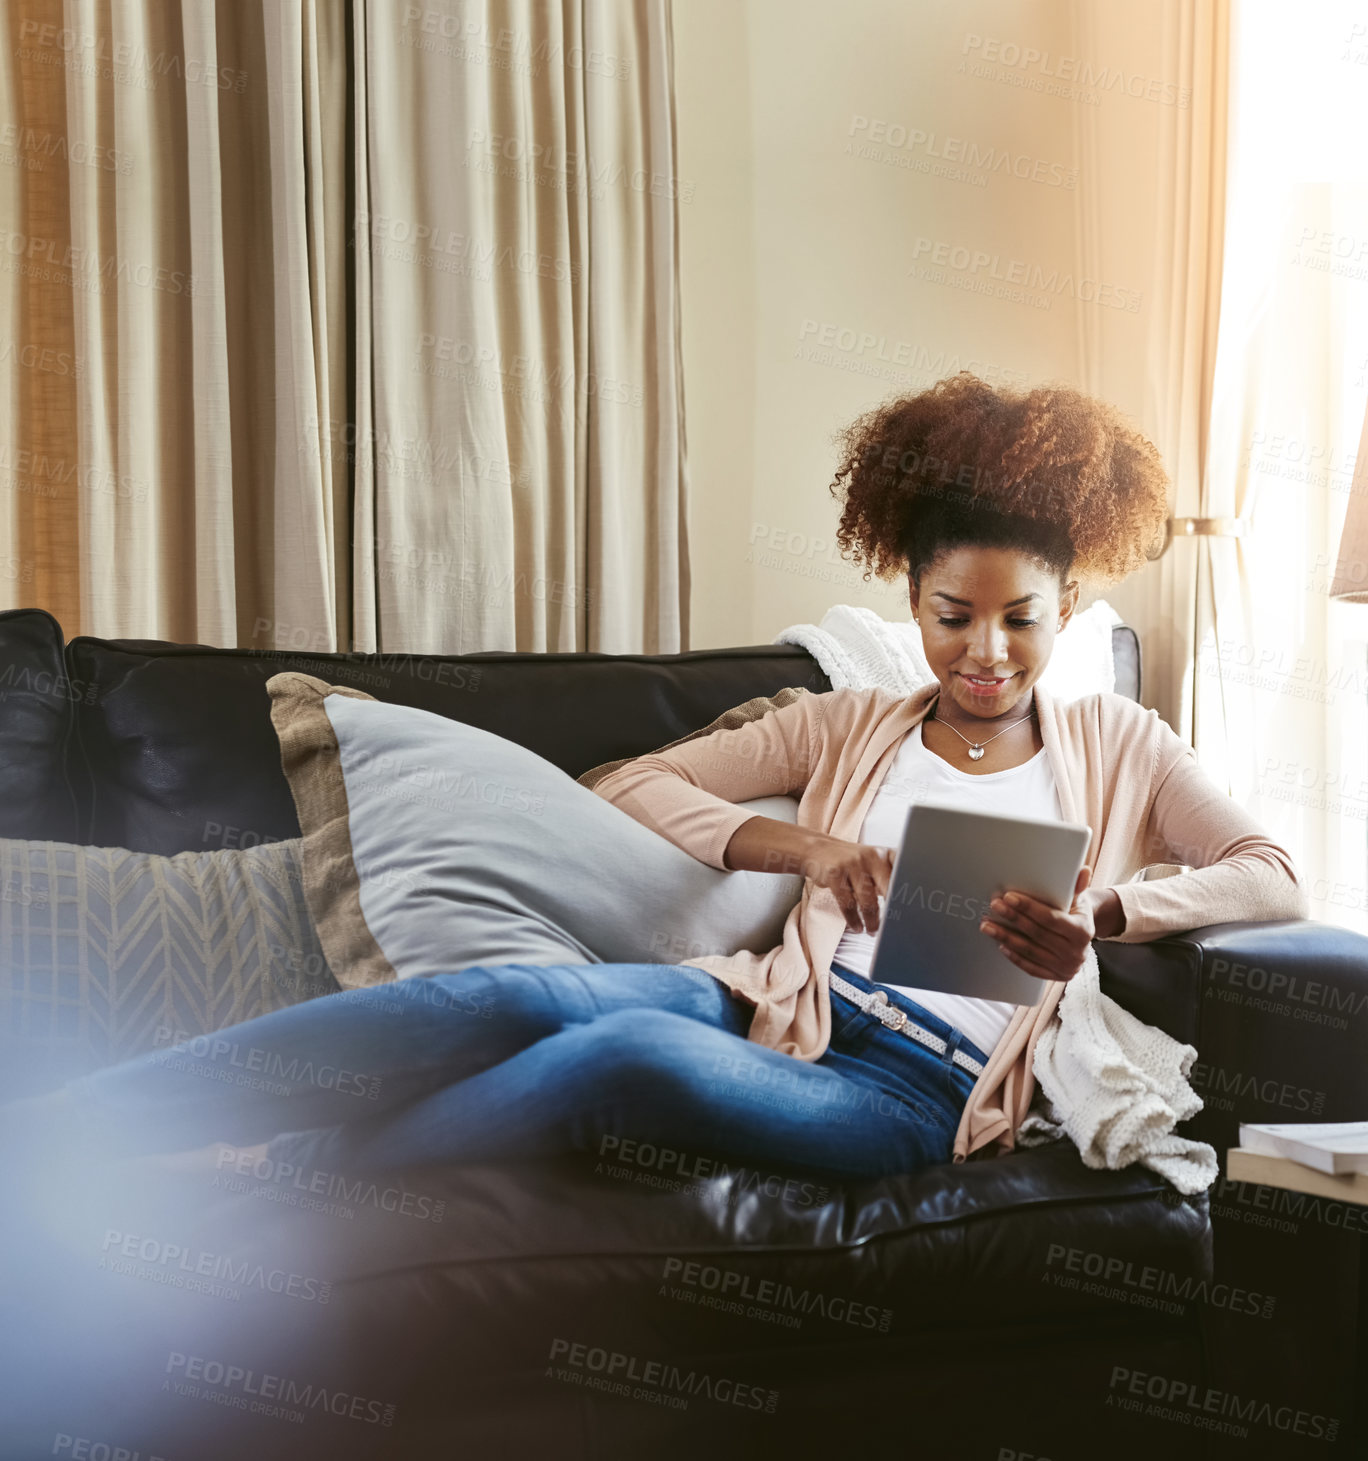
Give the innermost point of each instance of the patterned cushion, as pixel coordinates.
(106, 953)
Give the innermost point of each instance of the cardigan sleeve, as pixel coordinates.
(1237, 871)
(688, 793)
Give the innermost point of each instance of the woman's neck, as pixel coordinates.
(1004, 746)
(1020, 711)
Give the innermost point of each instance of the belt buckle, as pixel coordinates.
(887, 1013)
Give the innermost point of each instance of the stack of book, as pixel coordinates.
(1328, 1160)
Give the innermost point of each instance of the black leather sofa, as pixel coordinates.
(1020, 1307)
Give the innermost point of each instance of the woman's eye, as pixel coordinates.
(1015, 623)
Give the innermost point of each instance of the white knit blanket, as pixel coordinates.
(1115, 1086)
(859, 650)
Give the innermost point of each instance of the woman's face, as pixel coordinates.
(989, 617)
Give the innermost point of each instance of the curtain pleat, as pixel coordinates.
(43, 366)
(327, 82)
(361, 454)
(212, 482)
(637, 547)
(302, 504)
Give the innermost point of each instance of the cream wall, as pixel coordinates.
(808, 284)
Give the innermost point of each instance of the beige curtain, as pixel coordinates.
(342, 325)
(1280, 684)
(1184, 234)
(520, 478)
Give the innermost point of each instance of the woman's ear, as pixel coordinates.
(1068, 602)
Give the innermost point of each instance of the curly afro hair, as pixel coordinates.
(1052, 471)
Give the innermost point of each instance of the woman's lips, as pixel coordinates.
(978, 687)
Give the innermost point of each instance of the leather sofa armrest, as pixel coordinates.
(1278, 1013)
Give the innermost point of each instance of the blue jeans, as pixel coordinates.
(528, 1060)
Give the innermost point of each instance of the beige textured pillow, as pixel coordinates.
(729, 719)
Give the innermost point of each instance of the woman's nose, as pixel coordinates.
(987, 644)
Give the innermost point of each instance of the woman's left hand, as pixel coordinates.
(1044, 941)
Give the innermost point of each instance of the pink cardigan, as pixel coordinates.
(1119, 769)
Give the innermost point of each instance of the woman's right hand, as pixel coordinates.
(858, 875)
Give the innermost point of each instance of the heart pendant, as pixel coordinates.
(976, 753)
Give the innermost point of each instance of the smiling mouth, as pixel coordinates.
(984, 682)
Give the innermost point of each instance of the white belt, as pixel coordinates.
(889, 1014)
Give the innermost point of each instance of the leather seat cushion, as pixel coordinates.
(460, 1326)
(490, 1267)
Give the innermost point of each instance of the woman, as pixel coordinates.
(989, 502)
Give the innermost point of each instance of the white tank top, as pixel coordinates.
(918, 775)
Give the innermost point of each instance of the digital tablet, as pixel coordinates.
(950, 867)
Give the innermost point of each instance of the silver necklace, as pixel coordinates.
(976, 747)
